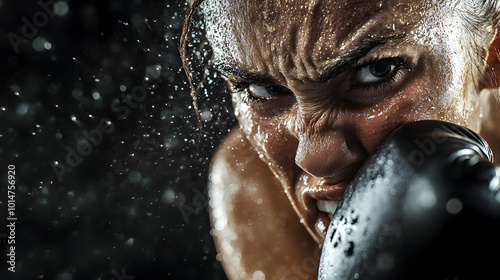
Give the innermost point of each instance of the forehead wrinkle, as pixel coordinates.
(310, 37)
(296, 55)
(318, 40)
(297, 42)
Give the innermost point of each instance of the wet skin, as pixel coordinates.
(317, 86)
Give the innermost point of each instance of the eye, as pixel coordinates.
(378, 71)
(374, 81)
(265, 92)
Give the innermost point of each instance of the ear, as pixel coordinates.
(489, 103)
(494, 50)
(493, 58)
(491, 79)
(491, 76)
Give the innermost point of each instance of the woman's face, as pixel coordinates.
(318, 84)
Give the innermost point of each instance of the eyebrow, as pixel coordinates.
(343, 63)
(349, 59)
(247, 76)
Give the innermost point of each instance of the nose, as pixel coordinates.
(335, 154)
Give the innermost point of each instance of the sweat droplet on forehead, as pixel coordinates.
(299, 39)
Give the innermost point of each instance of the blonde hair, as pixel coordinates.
(480, 19)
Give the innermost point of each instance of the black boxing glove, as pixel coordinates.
(425, 205)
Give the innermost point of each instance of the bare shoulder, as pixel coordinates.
(256, 231)
(234, 153)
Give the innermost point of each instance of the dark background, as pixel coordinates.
(133, 202)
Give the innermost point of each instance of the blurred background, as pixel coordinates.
(97, 117)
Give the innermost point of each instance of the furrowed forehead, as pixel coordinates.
(301, 33)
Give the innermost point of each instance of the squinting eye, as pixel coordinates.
(265, 92)
(376, 71)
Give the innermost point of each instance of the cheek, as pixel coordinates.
(435, 101)
(277, 147)
(270, 138)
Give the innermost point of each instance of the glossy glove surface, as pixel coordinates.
(425, 205)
